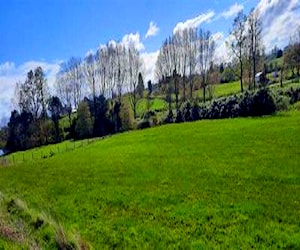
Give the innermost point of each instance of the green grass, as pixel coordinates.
(155, 104)
(227, 89)
(210, 184)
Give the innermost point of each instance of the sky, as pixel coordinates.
(45, 33)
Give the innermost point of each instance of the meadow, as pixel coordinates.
(232, 183)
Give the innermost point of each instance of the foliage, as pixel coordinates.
(127, 117)
(84, 126)
(255, 103)
(55, 108)
(102, 124)
(140, 86)
(144, 123)
(3, 136)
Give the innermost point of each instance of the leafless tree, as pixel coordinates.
(76, 78)
(33, 94)
(64, 88)
(192, 56)
(206, 49)
(121, 59)
(90, 73)
(237, 44)
(102, 64)
(111, 70)
(255, 41)
(134, 65)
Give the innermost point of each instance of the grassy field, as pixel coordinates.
(225, 183)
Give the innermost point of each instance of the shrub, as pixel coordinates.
(179, 117)
(83, 126)
(169, 118)
(263, 103)
(145, 123)
(282, 102)
(126, 117)
(195, 115)
(186, 111)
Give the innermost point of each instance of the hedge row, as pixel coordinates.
(256, 103)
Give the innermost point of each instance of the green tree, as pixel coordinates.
(55, 108)
(84, 124)
(140, 87)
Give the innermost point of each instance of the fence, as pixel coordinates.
(44, 152)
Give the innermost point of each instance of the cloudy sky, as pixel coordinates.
(48, 32)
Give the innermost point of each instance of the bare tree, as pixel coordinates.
(32, 94)
(184, 58)
(238, 43)
(76, 79)
(102, 63)
(134, 65)
(121, 69)
(111, 70)
(64, 89)
(255, 41)
(192, 56)
(89, 70)
(206, 49)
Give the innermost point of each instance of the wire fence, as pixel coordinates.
(44, 152)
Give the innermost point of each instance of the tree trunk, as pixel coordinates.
(191, 87)
(241, 75)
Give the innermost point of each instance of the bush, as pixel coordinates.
(263, 103)
(126, 117)
(169, 118)
(179, 117)
(145, 123)
(195, 115)
(282, 102)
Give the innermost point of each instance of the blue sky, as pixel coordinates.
(53, 30)
(45, 33)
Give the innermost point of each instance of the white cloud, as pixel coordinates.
(281, 19)
(149, 65)
(232, 11)
(10, 74)
(194, 22)
(133, 40)
(153, 30)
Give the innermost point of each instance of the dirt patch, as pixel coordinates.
(10, 234)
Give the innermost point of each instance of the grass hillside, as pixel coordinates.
(224, 183)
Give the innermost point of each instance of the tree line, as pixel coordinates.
(99, 94)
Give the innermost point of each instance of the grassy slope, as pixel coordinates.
(229, 182)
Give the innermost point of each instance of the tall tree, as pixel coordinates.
(32, 94)
(140, 86)
(89, 69)
(192, 56)
(237, 45)
(55, 108)
(255, 40)
(103, 64)
(64, 89)
(76, 79)
(134, 64)
(206, 49)
(84, 124)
